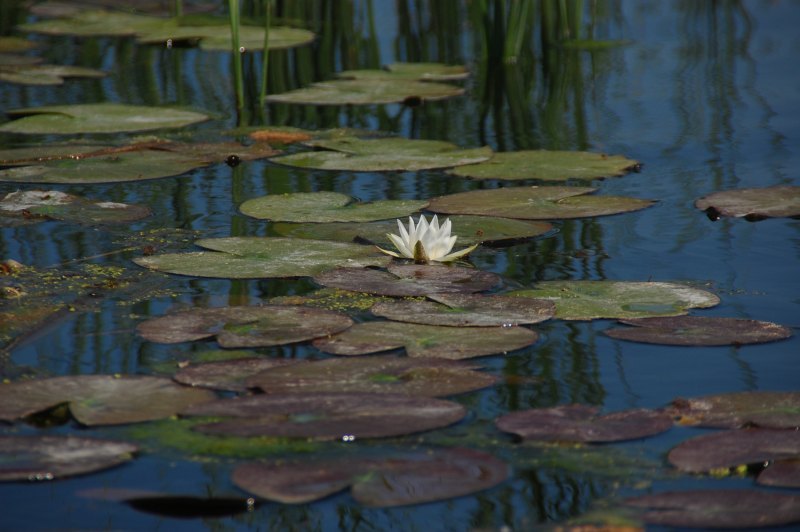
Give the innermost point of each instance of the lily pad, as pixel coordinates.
(548, 166)
(97, 118)
(590, 300)
(777, 410)
(732, 448)
(718, 508)
(467, 310)
(406, 71)
(469, 230)
(15, 44)
(382, 155)
(781, 473)
(332, 299)
(326, 207)
(410, 477)
(327, 416)
(379, 374)
(752, 203)
(39, 205)
(536, 203)
(100, 399)
(367, 92)
(245, 326)
(259, 257)
(427, 340)
(228, 375)
(52, 457)
(694, 330)
(404, 280)
(39, 74)
(582, 423)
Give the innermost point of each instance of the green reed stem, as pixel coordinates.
(238, 78)
(265, 59)
(177, 8)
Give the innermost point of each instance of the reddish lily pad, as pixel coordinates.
(732, 448)
(379, 374)
(467, 310)
(52, 457)
(548, 166)
(718, 508)
(100, 399)
(753, 203)
(40, 205)
(536, 203)
(582, 423)
(245, 326)
(327, 416)
(781, 473)
(404, 280)
(776, 410)
(695, 330)
(228, 375)
(427, 340)
(411, 477)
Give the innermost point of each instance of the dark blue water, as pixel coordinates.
(705, 95)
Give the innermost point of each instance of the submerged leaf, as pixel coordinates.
(327, 416)
(410, 477)
(37, 458)
(589, 300)
(695, 330)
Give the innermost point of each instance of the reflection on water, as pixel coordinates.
(700, 92)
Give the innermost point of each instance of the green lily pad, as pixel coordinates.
(327, 416)
(781, 473)
(382, 155)
(718, 508)
(469, 230)
(245, 326)
(95, 23)
(326, 207)
(752, 203)
(39, 205)
(52, 457)
(45, 74)
(410, 477)
(548, 166)
(582, 423)
(332, 299)
(367, 92)
(409, 280)
(100, 399)
(732, 448)
(777, 410)
(536, 203)
(97, 118)
(378, 374)
(467, 310)
(406, 71)
(695, 330)
(15, 44)
(258, 257)
(590, 300)
(453, 343)
(228, 375)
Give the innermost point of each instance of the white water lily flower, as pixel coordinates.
(425, 242)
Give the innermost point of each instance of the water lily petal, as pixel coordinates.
(400, 244)
(458, 254)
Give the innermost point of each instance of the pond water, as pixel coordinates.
(702, 93)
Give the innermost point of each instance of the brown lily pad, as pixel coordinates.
(403, 280)
(245, 326)
(379, 374)
(536, 203)
(467, 310)
(100, 399)
(52, 457)
(732, 448)
(718, 508)
(781, 473)
(40, 205)
(399, 479)
(454, 343)
(776, 410)
(752, 203)
(583, 423)
(327, 416)
(695, 330)
(228, 375)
